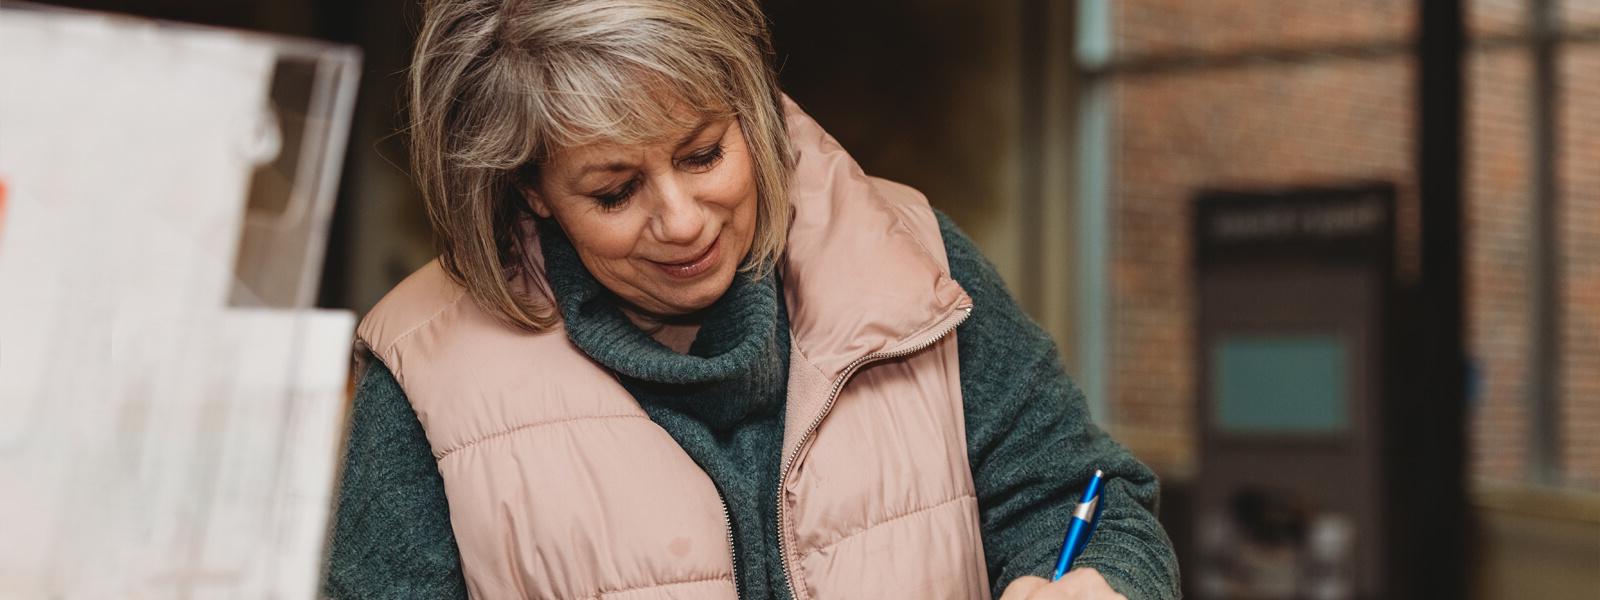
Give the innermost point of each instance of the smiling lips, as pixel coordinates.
(694, 266)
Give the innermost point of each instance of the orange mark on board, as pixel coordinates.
(2, 205)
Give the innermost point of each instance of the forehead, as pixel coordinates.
(622, 149)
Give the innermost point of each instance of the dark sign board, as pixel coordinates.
(1352, 223)
(1293, 291)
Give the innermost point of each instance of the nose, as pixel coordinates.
(679, 216)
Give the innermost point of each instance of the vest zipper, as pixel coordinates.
(949, 324)
(733, 552)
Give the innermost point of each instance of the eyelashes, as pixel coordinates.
(618, 195)
(703, 160)
(698, 162)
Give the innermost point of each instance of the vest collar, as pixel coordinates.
(858, 280)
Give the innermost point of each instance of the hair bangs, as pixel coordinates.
(587, 100)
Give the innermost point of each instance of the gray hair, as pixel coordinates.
(497, 86)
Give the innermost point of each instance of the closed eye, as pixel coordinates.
(702, 160)
(617, 196)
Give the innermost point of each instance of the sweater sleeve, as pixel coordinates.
(1032, 448)
(391, 533)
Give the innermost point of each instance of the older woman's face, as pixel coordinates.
(664, 226)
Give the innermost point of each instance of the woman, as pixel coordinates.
(677, 345)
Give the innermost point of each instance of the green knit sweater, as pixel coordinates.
(1031, 445)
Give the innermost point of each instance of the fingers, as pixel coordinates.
(1057, 590)
(1023, 587)
(1078, 584)
(1090, 584)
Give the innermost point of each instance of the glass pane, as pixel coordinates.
(1497, 254)
(1578, 179)
(1579, 15)
(1496, 17)
(1174, 26)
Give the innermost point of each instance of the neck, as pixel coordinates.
(676, 333)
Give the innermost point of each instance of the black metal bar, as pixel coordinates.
(1034, 28)
(1433, 536)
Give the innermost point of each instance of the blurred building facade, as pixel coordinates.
(1245, 93)
(1249, 93)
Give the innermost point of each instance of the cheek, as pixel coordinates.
(744, 215)
(735, 188)
(603, 239)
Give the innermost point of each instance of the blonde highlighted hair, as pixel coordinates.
(497, 86)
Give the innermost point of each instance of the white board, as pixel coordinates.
(155, 442)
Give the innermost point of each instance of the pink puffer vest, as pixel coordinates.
(561, 487)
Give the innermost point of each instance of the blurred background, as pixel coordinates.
(1258, 230)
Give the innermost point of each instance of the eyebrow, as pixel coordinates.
(612, 166)
(694, 133)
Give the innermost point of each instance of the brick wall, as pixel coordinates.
(1328, 120)
(1157, 26)
(1579, 134)
(1497, 258)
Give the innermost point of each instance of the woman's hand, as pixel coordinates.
(1077, 584)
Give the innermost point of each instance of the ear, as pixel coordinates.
(534, 199)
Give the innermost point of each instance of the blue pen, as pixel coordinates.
(1083, 520)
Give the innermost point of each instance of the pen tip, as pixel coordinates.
(1099, 473)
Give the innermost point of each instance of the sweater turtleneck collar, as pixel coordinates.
(742, 341)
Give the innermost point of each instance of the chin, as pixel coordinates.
(700, 295)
